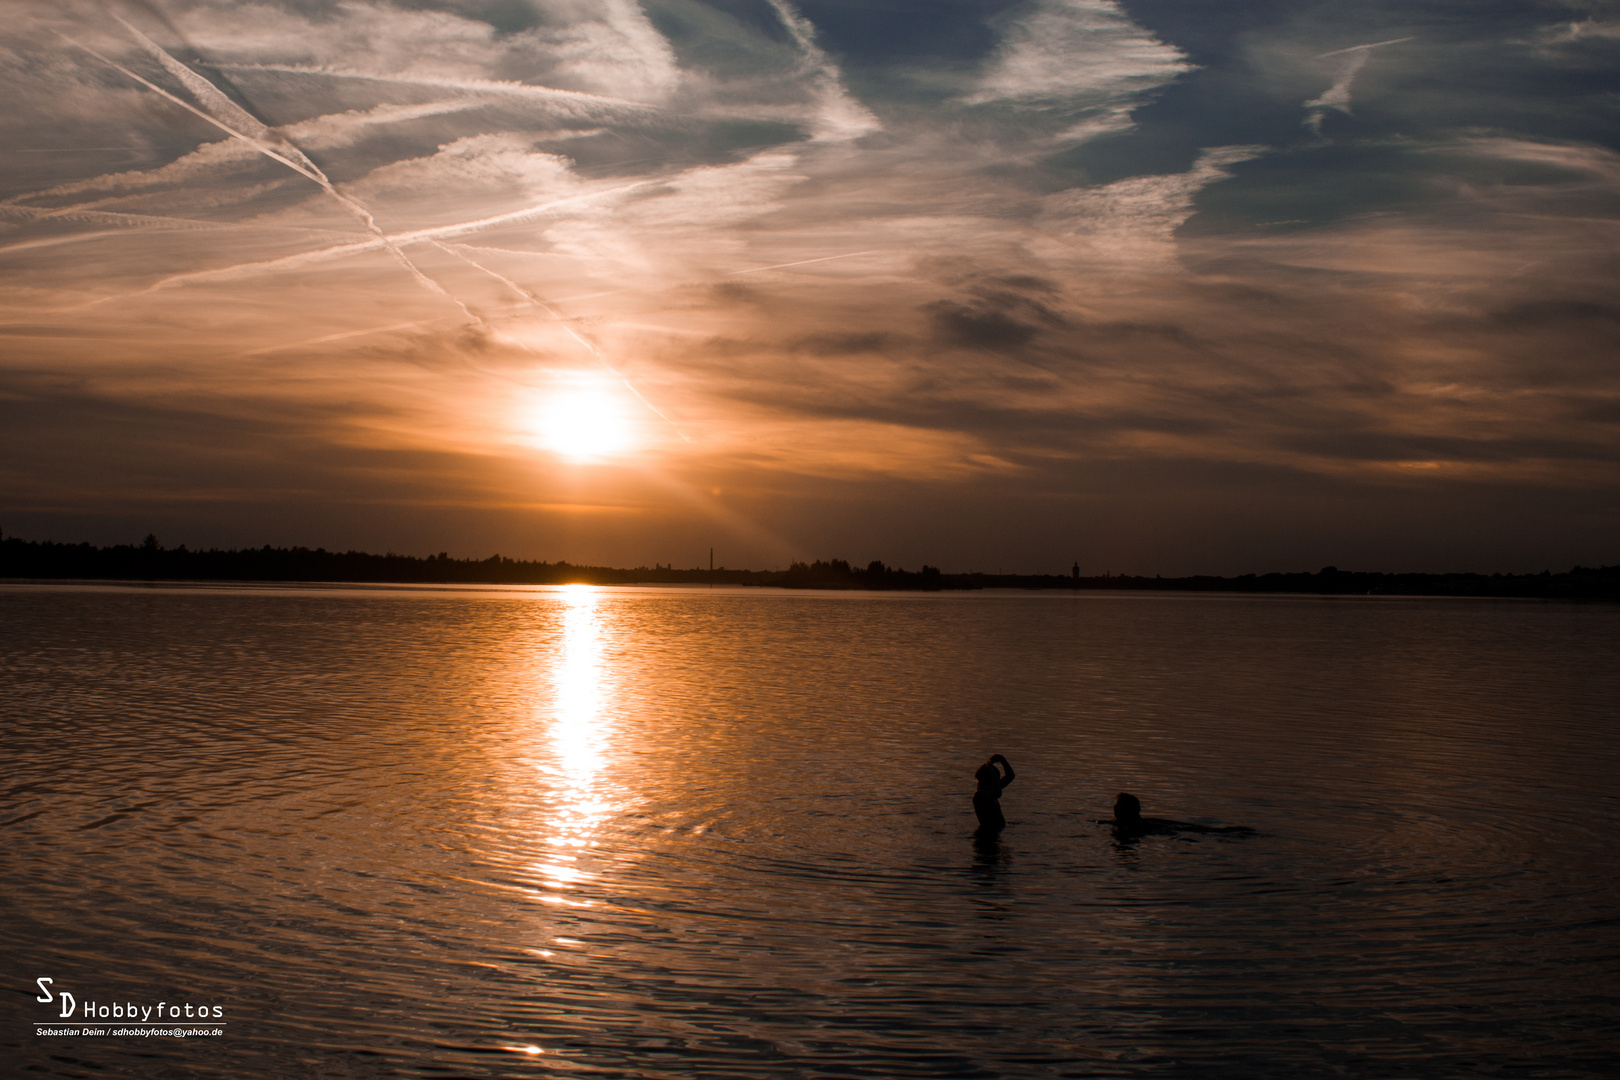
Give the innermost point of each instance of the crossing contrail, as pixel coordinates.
(186, 105)
(261, 138)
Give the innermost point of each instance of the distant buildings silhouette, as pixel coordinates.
(150, 561)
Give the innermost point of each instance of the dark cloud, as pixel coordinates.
(1004, 313)
(833, 344)
(1558, 314)
(979, 325)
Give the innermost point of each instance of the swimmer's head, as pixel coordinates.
(1127, 808)
(988, 773)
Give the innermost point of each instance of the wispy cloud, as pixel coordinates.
(837, 116)
(1069, 50)
(1133, 222)
(1083, 61)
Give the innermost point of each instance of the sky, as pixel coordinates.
(1149, 286)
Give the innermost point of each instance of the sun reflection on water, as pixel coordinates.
(580, 725)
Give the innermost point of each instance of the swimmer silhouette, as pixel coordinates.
(1129, 823)
(987, 800)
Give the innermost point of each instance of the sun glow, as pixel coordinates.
(585, 422)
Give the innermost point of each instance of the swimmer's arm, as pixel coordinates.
(1008, 776)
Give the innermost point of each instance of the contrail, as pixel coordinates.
(517, 251)
(109, 217)
(805, 262)
(350, 122)
(1337, 96)
(481, 86)
(450, 249)
(514, 217)
(52, 241)
(328, 129)
(339, 336)
(286, 262)
(88, 212)
(186, 105)
(266, 141)
(226, 152)
(584, 342)
(338, 251)
(271, 145)
(215, 101)
(1373, 45)
(262, 138)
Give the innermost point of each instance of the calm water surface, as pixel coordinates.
(683, 833)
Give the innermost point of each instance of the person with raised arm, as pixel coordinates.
(993, 777)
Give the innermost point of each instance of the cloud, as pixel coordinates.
(1077, 54)
(601, 49)
(816, 296)
(1134, 221)
(837, 115)
(502, 164)
(1576, 32)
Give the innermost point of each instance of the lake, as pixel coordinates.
(689, 833)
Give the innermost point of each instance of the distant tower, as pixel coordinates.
(1077, 570)
(711, 568)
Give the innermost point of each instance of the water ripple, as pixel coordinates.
(666, 833)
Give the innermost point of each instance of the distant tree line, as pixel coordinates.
(151, 561)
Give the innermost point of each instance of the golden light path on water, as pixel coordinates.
(580, 726)
(577, 720)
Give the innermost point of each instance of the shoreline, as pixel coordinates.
(25, 560)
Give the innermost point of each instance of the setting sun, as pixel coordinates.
(584, 422)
